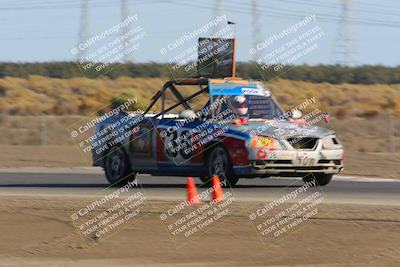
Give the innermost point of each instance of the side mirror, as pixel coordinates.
(296, 114)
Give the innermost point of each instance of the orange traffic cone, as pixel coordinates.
(192, 196)
(217, 194)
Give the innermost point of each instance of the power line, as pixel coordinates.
(66, 4)
(364, 9)
(288, 12)
(296, 15)
(270, 12)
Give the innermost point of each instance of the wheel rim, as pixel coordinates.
(115, 162)
(219, 162)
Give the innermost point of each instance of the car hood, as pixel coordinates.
(284, 129)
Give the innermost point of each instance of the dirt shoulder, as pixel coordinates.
(42, 156)
(40, 231)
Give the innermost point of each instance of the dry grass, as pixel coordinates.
(81, 96)
(342, 100)
(75, 96)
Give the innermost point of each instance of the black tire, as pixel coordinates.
(117, 167)
(322, 179)
(218, 162)
(205, 180)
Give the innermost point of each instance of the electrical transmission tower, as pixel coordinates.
(256, 24)
(343, 50)
(218, 8)
(124, 30)
(84, 28)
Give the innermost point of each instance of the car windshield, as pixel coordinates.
(251, 106)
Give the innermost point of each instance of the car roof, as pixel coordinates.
(237, 87)
(225, 83)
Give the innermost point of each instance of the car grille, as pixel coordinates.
(263, 162)
(305, 143)
(328, 161)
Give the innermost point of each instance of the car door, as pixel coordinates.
(176, 150)
(142, 145)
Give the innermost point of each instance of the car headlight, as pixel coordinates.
(266, 142)
(330, 142)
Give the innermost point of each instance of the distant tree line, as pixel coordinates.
(335, 74)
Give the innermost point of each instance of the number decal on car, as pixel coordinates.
(170, 144)
(178, 145)
(305, 160)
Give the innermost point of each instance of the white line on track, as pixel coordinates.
(364, 179)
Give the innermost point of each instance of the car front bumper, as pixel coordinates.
(292, 163)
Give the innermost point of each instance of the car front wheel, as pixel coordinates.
(219, 163)
(117, 167)
(322, 179)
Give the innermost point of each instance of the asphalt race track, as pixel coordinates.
(86, 181)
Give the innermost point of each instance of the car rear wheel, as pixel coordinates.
(321, 178)
(219, 163)
(117, 167)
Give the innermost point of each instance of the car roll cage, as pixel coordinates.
(171, 85)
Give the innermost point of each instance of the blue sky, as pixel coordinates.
(46, 30)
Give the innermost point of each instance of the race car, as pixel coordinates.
(240, 132)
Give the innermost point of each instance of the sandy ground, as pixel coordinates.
(42, 156)
(369, 164)
(38, 231)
